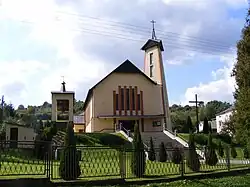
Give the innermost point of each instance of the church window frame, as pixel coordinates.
(151, 66)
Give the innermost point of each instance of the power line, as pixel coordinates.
(141, 28)
(122, 36)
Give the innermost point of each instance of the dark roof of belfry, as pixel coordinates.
(125, 67)
(152, 43)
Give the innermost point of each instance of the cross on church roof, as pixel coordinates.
(153, 30)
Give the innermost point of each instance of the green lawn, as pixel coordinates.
(237, 181)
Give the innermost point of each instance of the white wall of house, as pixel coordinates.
(221, 118)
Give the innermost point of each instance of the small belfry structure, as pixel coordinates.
(62, 106)
(154, 68)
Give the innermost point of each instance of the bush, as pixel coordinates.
(138, 161)
(177, 155)
(189, 124)
(211, 157)
(205, 126)
(233, 152)
(246, 153)
(193, 161)
(163, 153)
(220, 150)
(69, 163)
(151, 153)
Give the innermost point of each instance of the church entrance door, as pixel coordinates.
(128, 124)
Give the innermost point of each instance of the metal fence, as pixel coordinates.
(102, 162)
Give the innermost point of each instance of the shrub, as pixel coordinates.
(246, 153)
(220, 150)
(69, 162)
(189, 124)
(205, 126)
(193, 161)
(151, 153)
(233, 152)
(163, 153)
(177, 155)
(211, 157)
(138, 161)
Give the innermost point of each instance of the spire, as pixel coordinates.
(63, 88)
(153, 31)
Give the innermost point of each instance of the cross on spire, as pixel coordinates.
(153, 31)
(63, 88)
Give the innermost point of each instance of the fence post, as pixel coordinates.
(182, 167)
(228, 157)
(122, 160)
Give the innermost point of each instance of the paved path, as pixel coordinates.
(235, 161)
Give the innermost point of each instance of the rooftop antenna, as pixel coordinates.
(153, 31)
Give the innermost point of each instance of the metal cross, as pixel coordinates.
(153, 31)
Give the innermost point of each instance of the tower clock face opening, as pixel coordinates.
(62, 110)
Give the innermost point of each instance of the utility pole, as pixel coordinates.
(197, 112)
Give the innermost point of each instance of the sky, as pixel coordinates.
(83, 40)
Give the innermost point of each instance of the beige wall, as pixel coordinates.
(148, 125)
(89, 115)
(103, 94)
(24, 134)
(56, 97)
(156, 64)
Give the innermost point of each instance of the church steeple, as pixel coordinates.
(153, 68)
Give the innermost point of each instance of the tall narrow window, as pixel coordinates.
(151, 64)
(127, 97)
(117, 102)
(122, 98)
(138, 102)
(151, 59)
(133, 99)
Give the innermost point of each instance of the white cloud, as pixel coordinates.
(221, 88)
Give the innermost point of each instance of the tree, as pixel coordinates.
(69, 162)
(220, 150)
(151, 153)
(211, 157)
(214, 107)
(189, 124)
(138, 161)
(177, 156)
(163, 153)
(193, 161)
(205, 126)
(20, 107)
(242, 93)
(228, 127)
(233, 152)
(246, 153)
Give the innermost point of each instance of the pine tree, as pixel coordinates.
(233, 152)
(242, 94)
(177, 155)
(205, 126)
(151, 153)
(211, 157)
(220, 150)
(163, 153)
(189, 124)
(193, 161)
(69, 164)
(246, 153)
(138, 161)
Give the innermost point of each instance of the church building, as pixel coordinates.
(128, 95)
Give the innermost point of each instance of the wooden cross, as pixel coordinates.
(197, 112)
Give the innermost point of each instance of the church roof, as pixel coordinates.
(152, 43)
(125, 67)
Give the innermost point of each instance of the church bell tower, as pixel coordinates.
(153, 68)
